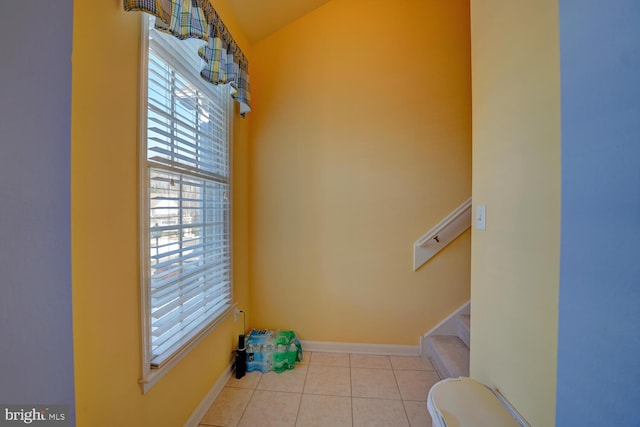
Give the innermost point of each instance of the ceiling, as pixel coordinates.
(259, 18)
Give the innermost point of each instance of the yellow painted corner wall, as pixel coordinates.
(105, 255)
(516, 174)
(360, 143)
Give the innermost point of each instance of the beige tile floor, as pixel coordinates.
(330, 389)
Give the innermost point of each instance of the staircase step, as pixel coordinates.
(449, 354)
(464, 329)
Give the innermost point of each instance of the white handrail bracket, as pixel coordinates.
(447, 230)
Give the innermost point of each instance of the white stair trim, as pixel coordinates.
(359, 348)
(448, 326)
(447, 230)
(464, 329)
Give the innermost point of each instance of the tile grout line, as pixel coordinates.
(253, 390)
(247, 405)
(304, 384)
(351, 390)
(404, 407)
(351, 394)
(306, 378)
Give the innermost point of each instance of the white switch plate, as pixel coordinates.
(481, 217)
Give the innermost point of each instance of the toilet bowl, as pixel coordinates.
(464, 402)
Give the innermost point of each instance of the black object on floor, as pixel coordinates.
(241, 358)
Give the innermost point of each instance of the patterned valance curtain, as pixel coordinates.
(224, 61)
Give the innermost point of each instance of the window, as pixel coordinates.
(186, 176)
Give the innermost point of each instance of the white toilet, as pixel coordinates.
(464, 402)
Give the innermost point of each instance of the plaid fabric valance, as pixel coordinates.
(224, 61)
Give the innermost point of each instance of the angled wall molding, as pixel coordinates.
(432, 242)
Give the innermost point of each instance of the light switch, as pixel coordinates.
(481, 217)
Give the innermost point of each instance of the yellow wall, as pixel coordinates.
(106, 303)
(360, 144)
(516, 173)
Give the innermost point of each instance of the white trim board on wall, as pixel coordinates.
(209, 398)
(447, 326)
(445, 232)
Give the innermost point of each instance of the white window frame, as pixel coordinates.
(151, 375)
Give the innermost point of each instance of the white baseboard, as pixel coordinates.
(210, 397)
(343, 347)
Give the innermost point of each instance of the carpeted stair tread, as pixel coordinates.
(449, 354)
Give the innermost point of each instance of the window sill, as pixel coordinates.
(152, 376)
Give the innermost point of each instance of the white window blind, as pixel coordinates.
(188, 178)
